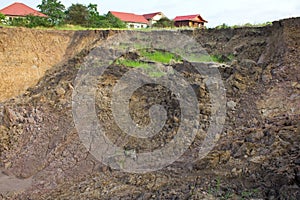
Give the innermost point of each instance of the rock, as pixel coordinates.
(258, 159)
(9, 116)
(236, 172)
(297, 178)
(231, 105)
(297, 161)
(266, 74)
(248, 63)
(60, 91)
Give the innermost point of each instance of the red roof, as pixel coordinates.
(130, 17)
(195, 18)
(151, 15)
(20, 9)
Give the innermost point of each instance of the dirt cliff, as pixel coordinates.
(26, 55)
(257, 155)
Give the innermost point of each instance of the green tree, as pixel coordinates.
(94, 19)
(164, 23)
(2, 18)
(77, 14)
(114, 22)
(54, 9)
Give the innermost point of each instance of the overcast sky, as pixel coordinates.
(216, 12)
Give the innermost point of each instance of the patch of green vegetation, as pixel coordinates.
(132, 63)
(249, 194)
(69, 27)
(226, 26)
(212, 58)
(231, 57)
(160, 56)
(148, 56)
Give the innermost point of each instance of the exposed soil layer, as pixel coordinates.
(257, 155)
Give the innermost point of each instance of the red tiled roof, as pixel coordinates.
(130, 17)
(151, 15)
(196, 18)
(20, 9)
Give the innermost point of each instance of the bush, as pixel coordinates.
(30, 21)
(18, 22)
(164, 23)
(223, 26)
(2, 18)
(34, 21)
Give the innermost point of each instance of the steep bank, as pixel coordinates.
(257, 155)
(26, 54)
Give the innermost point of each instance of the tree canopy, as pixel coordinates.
(2, 17)
(77, 14)
(54, 9)
(114, 22)
(164, 23)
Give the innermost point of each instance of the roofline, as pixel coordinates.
(23, 15)
(197, 15)
(189, 20)
(126, 21)
(136, 22)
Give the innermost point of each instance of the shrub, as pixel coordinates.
(18, 22)
(164, 23)
(223, 26)
(2, 18)
(34, 21)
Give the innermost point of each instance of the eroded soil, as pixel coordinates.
(257, 155)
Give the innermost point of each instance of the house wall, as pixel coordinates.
(12, 17)
(188, 24)
(136, 25)
(156, 18)
(181, 23)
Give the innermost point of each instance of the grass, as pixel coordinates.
(156, 56)
(132, 63)
(247, 25)
(211, 58)
(247, 194)
(159, 56)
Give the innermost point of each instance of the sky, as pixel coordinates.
(216, 12)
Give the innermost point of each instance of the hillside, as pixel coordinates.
(256, 156)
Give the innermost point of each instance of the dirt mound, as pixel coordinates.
(257, 155)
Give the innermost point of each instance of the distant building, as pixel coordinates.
(189, 21)
(154, 17)
(132, 20)
(20, 10)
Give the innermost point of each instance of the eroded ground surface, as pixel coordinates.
(257, 155)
